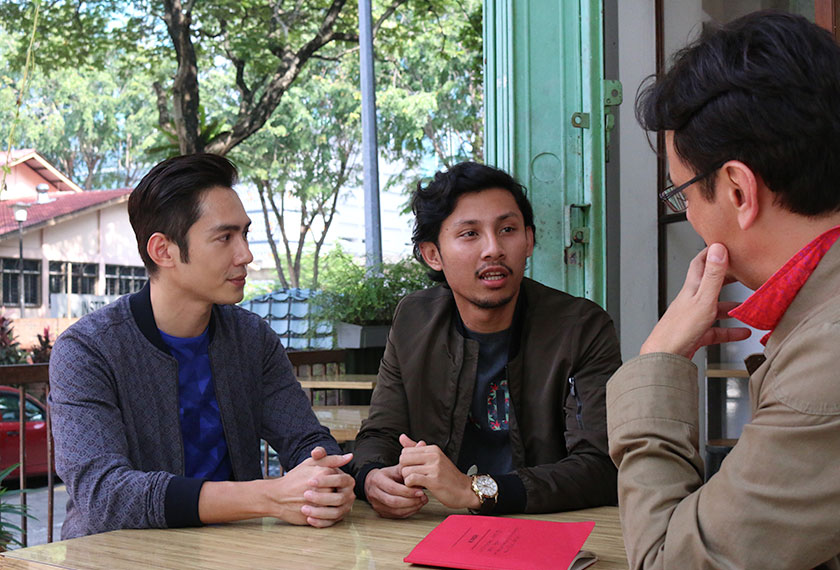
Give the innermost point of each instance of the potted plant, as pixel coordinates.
(361, 303)
(7, 528)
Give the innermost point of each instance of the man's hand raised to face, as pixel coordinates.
(687, 324)
(428, 467)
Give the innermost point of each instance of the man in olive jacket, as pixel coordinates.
(752, 129)
(491, 391)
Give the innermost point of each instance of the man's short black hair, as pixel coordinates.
(764, 90)
(433, 203)
(168, 199)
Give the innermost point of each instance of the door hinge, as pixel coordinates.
(613, 96)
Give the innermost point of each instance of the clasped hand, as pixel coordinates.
(316, 492)
(398, 491)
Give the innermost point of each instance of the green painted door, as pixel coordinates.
(547, 122)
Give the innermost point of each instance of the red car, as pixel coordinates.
(36, 433)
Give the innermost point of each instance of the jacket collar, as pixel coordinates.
(141, 309)
(821, 286)
(516, 325)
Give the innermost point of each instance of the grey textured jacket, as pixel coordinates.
(558, 438)
(114, 401)
(775, 503)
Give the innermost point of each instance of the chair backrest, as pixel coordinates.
(317, 362)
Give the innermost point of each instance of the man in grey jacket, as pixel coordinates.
(752, 129)
(159, 400)
(490, 394)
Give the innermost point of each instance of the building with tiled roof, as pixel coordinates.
(78, 247)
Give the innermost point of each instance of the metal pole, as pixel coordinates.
(373, 234)
(20, 261)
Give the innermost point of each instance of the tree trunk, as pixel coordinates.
(263, 188)
(177, 16)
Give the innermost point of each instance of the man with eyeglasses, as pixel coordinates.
(751, 117)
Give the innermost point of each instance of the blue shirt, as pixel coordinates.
(205, 448)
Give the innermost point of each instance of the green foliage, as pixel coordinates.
(6, 510)
(21, 92)
(430, 84)
(237, 57)
(10, 351)
(41, 352)
(76, 33)
(95, 124)
(352, 295)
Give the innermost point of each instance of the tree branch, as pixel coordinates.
(290, 67)
(389, 11)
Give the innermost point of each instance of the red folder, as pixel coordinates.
(496, 543)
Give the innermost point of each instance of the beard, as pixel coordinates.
(491, 303)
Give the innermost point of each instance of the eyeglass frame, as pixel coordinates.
(672, 191)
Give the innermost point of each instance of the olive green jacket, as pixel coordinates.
(559, 445)
(775, 503)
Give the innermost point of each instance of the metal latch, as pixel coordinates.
(579, 233)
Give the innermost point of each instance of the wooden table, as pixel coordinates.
(362, 541)
(344, 422)
(727, 370)
(337, 382)
(340, 382)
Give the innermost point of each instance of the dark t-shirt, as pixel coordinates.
(486, 441)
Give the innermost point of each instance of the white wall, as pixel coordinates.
(637, 180)
(74, 240)
(102, 237)
(119, 245)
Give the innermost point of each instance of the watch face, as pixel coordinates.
(485, 485)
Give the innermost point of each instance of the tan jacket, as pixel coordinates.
(775, 503)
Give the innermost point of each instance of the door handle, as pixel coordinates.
(12, 432)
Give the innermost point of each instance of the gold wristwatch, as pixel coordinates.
(487, 491)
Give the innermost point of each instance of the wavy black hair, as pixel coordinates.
(765, 90)
(433, 203)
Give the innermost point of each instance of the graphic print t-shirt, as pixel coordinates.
(486, 441)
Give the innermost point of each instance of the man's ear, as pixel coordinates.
(741, 186)
(162, 250)
(431, 255)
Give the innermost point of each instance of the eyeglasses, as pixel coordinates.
(674, 197)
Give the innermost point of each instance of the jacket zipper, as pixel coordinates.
(233, 469)
(579, 410)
